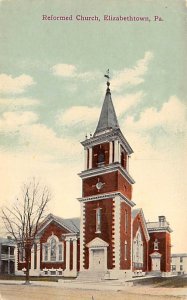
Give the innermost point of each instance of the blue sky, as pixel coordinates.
(52, 88)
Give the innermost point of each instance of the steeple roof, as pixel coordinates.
(108, 118)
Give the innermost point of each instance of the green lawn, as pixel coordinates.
(179, 281)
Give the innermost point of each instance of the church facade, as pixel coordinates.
(111, 238)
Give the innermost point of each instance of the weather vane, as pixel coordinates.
(108, 77)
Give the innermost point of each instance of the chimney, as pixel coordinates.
(162, 221)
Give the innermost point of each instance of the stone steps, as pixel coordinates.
(90, 276)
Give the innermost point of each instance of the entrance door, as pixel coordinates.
(156, 264)
(98, 259)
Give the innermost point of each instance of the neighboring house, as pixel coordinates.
(7, 257)
(113, 238)
(179, 263)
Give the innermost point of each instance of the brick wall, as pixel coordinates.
(164, 249)
(107, 219)
(114, 182)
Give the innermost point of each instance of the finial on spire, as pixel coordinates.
(107, 75)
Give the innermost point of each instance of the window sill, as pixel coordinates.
(51, 261)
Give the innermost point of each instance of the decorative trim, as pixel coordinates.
(144, 224)
(106, 196)
(108, 136)
(97, 243)
(160, 229)
(82, 236)
(48, 220)
(117, 221)
(105, 170)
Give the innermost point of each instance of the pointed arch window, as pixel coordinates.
(138, 249)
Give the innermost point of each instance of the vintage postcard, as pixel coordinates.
(93, 149)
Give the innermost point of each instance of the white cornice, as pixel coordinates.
(106, 196)
(50, 218)
(107, 169)
(160, 229)
(108, 136)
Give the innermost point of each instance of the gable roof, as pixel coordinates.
(135, 213)
(72, 224)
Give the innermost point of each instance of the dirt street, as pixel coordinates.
(21, 292)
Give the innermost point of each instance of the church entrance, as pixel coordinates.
(98, 259)
(97, 254)
(155, 261)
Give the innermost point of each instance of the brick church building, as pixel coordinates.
(111, 237)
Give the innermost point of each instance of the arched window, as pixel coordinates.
(138, 249)
(53, 249)
(98, 220)
(101, 157)
(126, 221)
(125, 250)
(156, 244)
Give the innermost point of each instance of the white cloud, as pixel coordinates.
(64, 70)
(124, 103)
(171, 117)
(14, 102)
(70, 71)
(132, 76)
(12, 121)
(34, 137)
(17, 85)
(79, 114)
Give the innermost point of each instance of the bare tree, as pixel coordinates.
(22, 220)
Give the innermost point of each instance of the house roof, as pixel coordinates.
(7, 241)
(156, 227)
(179, 255)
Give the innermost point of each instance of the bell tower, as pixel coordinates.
(106, 200)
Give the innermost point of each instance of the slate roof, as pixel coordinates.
(72, 224)
(108, 118)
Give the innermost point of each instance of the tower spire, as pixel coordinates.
(108, 118)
